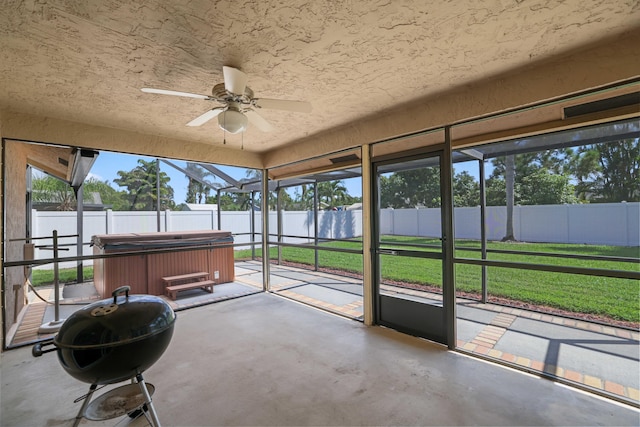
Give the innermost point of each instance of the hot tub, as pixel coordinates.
(143, 270)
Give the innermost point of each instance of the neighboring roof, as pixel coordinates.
(201, 207)
(92, 201)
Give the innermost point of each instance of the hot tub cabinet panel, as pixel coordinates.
(144, 270)
(160, 266)
(126, 270)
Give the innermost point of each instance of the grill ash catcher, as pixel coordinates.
(112, 341)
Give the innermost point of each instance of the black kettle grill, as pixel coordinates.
(114, 340)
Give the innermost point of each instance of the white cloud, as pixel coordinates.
(94, 176)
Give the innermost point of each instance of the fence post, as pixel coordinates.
(316, 226)
(279, 222)
(35, 230)
(393, 221)
(625, 208)
(483, 230)
(516, 208)
(567, 209)
(109, 222)
(252, 225)
(219, 211)
(167, 220)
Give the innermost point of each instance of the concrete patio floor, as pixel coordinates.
(599, 358)
(262, 360)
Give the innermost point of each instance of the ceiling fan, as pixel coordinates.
(238, 104)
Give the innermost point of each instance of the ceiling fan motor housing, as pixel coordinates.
(223, 96)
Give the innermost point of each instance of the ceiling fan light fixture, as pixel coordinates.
(232, 121)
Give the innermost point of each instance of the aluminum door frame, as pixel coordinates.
(442, 320)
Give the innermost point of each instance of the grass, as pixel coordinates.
(610, 297)
(65, 275)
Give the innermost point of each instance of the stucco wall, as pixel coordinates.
(45, 129)
(17, 156)
(15, 226)
(607, 62)
(2, 228)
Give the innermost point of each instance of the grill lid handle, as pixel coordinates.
(120, 290)
(38, 351)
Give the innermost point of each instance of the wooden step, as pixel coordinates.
(185, 277)
(207, 285)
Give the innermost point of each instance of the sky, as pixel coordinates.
(108, 164)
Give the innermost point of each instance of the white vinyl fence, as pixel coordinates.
(616, 224)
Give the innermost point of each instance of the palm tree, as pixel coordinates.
(140, 183)
(333, 193)
(510, 173)
(197, 190)
(53, 190)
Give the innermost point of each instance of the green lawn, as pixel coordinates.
(611, 297)
(615, 298)
(65, 275)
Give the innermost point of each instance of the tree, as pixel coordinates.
(117, 200)
(529, 178)
(332, 193)
(286, 201)
(607, 172)
(303, 198)
(496, 194)
(140, 183)
(227, 201)
(466, 190)
(234, 201)
(545, 188)
(244, 202)
(53, 190)
(49, 189)
(197, 192)
(412, 188)
(421, 188)
(392, 191)
(585, 169)
(619, 178)
(525, 164)
(510, 182)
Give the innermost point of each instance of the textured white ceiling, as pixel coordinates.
(86, 61)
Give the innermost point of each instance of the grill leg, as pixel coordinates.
(87, 399)
(147, 396)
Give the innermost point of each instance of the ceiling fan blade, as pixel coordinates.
(281, 104)
(198, 121)
(235, 81)
(174, 93)
(259, 121)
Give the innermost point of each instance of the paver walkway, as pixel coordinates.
(599, 357)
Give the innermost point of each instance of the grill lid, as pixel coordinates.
(117, 321)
